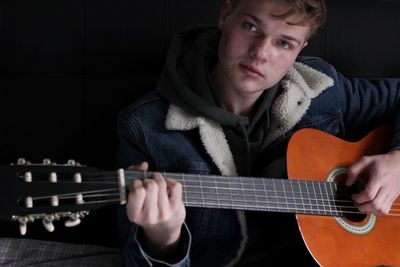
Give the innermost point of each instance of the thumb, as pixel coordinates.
(144, 166)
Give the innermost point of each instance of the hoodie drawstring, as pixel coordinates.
(246, 138)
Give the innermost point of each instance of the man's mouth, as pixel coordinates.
(253, 71)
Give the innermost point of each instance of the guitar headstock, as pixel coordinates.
(50, 192)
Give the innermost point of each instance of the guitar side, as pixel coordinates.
(373, 241)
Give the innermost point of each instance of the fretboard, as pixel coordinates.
(260, 194)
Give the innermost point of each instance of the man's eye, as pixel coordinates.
(250, 27)
(284, 44)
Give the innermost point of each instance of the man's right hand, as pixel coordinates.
(156, 205)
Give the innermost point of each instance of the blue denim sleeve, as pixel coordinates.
(131, 151)
(369, 103)
(364, 103)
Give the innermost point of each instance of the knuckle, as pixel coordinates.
(133, 217)
(369, 194)
(138, 193)
(161, 182)
(150, 184)
(149, 220)
(176, 186)
(364, 158)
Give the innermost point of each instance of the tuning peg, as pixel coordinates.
(79, 197)
(53, 179)
(23, 221)
(22, 228)
(29, 202)
(21, 161)
(48, 223)
(73, 221)
(46, 161)
(72, 162)
(28, 177)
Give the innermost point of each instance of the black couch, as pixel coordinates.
(67, 67)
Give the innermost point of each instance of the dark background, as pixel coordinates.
(67, 67)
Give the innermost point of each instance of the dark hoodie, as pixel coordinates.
(187, 82)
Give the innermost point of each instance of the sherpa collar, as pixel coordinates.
(300, 85)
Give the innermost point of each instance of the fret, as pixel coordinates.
(306, 199)
(314, 198)
(298, 189)
(267, 194)
(328, 198)
(284, 194)
(337, 209)
(184, 188)
(321, 198)
(276, 195)
(224, 193)
(249, 199)
(201, 189)
(297, 197)
(255, 192)
(214, 185)
(237, 192)
(311, 198)
(193, 193)
(314, 208)
(230, 194)
(260, 193)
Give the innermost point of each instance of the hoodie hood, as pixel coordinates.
(187, 82)
(186, 77)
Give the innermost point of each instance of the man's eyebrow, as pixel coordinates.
(259, 21)
(284, 36)
(291, 38)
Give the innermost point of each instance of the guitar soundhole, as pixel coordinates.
(350, 211)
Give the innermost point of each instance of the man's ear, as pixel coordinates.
(224, 13)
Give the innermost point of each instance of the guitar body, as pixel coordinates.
(332, 241)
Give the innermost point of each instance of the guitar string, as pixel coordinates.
(136, 173)
(97, 193)
(106, 180)
(254, 207)
(337, 197)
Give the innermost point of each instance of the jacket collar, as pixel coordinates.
(300, 85)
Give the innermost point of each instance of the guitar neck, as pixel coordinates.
(258, 194)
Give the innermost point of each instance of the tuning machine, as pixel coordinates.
(23, 221)
(74, 218)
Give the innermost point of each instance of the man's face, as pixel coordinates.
(256, 49)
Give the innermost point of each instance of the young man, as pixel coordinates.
(227, 102)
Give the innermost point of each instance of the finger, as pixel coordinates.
(150, 208)
(371, 207)
(369, 193)
(144, 166)
(387, 202)
(163, 200)
(136, 198)
(175, 192)
(355, 170)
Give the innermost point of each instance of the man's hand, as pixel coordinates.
(156, 205)
(382, 174)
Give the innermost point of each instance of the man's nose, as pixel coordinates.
(260, 49)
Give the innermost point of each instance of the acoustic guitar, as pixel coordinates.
(334, 231)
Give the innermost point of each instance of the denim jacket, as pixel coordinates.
(314, 95)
